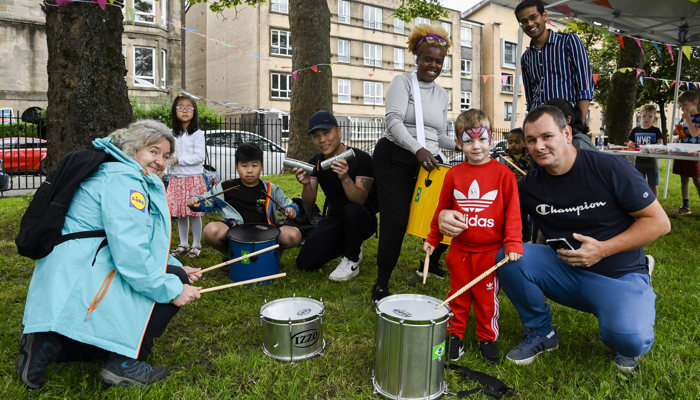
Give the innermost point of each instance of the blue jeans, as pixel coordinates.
(624, 306)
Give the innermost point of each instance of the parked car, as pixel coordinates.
(24, 154)
(222, 144)
(4, 178)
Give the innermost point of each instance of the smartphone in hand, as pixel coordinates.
(559, 243)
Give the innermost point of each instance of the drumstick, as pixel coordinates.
(273, 200)
(228, 285)
(221, 192)
(425, 266)
(243, 257)
(513, 165)
(473, 282)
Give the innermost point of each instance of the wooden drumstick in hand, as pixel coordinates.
(425, 266)
(473, 282)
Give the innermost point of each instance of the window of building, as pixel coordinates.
(344, 12)
(281, 85)
(373, 54)
(373, 18)
(466, 37)
(145, 9)
(398, 58)
(447, 66)
(421, 20)
(373, 93)
(448, 28)
(509, 53)
(466, 70)
(507, 83)
(465, 101)
(344, 91)
(280, 6)
(144, 65)
(507, 111)
(343, 50)
(163, 68)
(398, 26)
(280, 42)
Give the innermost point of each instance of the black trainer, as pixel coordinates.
(489, 350)
(379, 292)
(456, 348)
(434, 271)
(120, 370)
(36, 352)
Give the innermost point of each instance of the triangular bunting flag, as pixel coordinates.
(656, 46)
(639, 43)
(565, 9)
(485, 78)
(639, 71)
(504, 79)
(102, 4)
(604, 3)
(595, 78)
(641, 81)
(314, 68)
(621, 41)
(686, 51)
(294, 74)
(670, 51)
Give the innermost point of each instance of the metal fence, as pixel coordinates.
(24, 150)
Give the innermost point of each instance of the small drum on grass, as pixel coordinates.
(292, 328)
(248, 238)
(425, 199)
(411, 347)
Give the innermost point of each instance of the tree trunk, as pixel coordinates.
(310, 23)
(87, 96)
(623, 93)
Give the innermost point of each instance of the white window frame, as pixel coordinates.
(507, 111)
(343, 51)
(399, 26)
(506, 63)
(422, 20)
(145, 15)
(372, 54)
(343, 12)
(508, 86)
(278, 49)
(152, 77)
(447, 27)
(276, 91)
(372, 17)
(466, 37)
(163, 67)
(465, 100)
(399, 58)
(466, 68)
(447, 66)
(163, 12)
(344, 91)
(280, 6)
(373, 93)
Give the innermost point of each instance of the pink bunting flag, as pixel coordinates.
(485, 78)
(504, 79)
(639, 43)
(639, 71)
(63, 2)
(101, 3)
(595, 78)
(370, 74)
(670, 51)
(565, 9)
(314, 68)
(294, 74)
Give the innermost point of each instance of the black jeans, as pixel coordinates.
(72, 350)
(337, 236)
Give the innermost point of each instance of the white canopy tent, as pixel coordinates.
(674, 22)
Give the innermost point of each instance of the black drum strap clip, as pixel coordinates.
(489, 385)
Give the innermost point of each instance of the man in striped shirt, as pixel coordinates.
(556, 64)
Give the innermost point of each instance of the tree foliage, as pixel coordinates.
(410, 9)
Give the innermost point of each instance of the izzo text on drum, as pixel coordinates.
(305, 338)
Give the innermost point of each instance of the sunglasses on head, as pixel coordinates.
(432, 39)
(184, 108)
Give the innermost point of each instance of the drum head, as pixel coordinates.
(412, 307)
(253, 233)
(291, 308)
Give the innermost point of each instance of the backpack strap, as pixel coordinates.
(80, 235)
(489, 384)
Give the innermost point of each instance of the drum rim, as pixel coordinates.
(274, 228)
(311, 317)
(430, 299)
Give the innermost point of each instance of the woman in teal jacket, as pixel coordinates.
(87, 301)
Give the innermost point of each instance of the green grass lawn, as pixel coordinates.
(213, 346)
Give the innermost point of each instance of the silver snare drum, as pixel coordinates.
(411, 347)
(292, 328)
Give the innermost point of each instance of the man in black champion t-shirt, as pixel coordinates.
(350, 218)
(604, 208)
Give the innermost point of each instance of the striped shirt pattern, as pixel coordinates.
(560, 69)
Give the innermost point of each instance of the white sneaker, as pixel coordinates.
(345, 270)
(650, 264)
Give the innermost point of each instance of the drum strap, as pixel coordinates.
(418, 110)
(489, 385)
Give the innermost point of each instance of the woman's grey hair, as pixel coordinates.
(141, 133)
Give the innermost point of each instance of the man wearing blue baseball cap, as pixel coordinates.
(350, 213)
